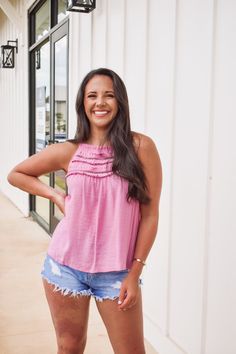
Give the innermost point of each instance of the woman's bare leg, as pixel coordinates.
(70, 319)
(125, 328)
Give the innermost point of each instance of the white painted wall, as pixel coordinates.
(177, 59)
(220, 307)
(14, 104)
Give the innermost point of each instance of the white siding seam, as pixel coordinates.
(146, 66)
(208, 182)
(91, 40)
(171, 171)
(106, 31)
(124, 39)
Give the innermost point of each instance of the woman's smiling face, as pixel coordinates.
(100, 103)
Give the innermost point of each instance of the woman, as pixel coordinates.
(110, 219)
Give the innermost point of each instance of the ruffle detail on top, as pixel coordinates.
(92, 160)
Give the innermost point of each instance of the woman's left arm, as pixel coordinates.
(151, 163)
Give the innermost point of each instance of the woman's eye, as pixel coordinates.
(95, 96)
(91, 96)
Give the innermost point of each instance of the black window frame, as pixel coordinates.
(53, 9)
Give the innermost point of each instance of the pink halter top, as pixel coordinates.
(99, 230)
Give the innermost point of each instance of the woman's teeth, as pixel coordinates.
(100, 113)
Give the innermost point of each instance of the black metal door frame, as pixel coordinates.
(55, 33)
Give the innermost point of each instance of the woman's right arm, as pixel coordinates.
(25, 175)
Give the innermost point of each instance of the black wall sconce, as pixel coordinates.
(8, 54)
(81, 5)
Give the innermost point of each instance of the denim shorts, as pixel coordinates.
(69, 281)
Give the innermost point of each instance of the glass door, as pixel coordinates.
(48, 86)
(59, 80)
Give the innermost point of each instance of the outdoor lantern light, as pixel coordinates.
(8, 54)
(81, 5)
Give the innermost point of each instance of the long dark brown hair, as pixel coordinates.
(126, 163)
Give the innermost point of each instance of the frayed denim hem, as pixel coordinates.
(101, 299)
(74, 293)
(65, 291)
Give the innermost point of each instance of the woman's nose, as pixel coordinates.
(100, 101)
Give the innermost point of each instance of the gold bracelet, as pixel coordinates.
(140, 261)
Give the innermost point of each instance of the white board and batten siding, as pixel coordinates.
(166, 52)
(14, 103)
(177, 59)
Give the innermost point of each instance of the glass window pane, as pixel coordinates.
(60, 118)
(42, 116)
(42, 205)
(62, 13)
(42, 104)
(42, 22)
(60, 107)
(60, 184)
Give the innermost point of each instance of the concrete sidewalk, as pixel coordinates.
(25, 322)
